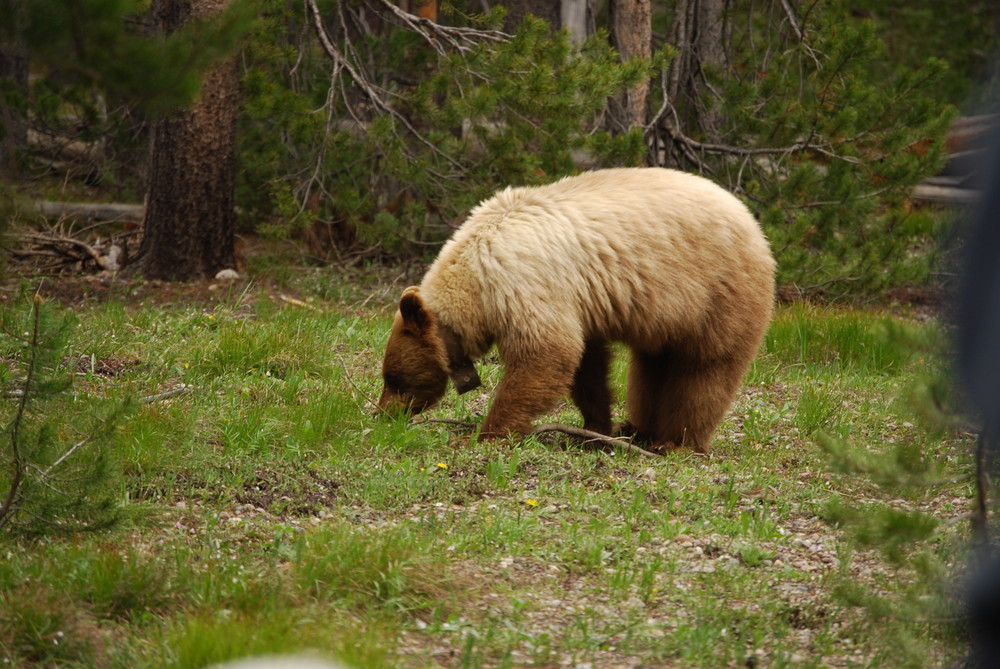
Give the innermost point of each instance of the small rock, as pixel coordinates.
(227, 275)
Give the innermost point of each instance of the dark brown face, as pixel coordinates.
(414, 375)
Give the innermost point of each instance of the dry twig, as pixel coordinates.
(375, 95)
(458, 38)
(64, 247)
(588, 436)
(149, 399)
(591, 437)
(350, 379)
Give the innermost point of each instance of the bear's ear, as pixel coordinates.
(415, 314)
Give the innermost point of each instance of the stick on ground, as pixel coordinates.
(591, 437)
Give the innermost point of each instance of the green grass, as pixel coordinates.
(267, 511)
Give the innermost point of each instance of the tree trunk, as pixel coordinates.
(573, 18)
(13, 101)
(698, 33)
(631, 34)
(190, 225)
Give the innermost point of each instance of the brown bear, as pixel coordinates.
(667, 262)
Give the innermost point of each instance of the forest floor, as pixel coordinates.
(266, 511)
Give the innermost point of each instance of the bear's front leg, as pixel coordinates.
(529, 388)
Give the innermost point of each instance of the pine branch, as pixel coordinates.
(17, 458)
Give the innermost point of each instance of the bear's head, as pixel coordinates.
(420, 357)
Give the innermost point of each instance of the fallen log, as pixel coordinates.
(91, 212)
(926, 192)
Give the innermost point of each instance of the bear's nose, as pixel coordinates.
(390, 403)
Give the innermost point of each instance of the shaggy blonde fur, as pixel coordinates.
(666, 262)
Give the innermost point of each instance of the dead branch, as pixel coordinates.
(350, 380)
(149, 399)
(468, 424)
(591, 437)
(60, 246)
(62, 458)
(375, 96)
(802, 145)
(460, 39)
(296, 302)
(54, 241)
(106, 254)
(792, 21)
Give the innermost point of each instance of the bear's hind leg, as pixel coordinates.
(678, 400)
(591, 390)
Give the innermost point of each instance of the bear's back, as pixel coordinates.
(623, 253)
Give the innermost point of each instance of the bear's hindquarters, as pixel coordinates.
(677, 399)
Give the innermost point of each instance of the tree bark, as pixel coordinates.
(13, 86)
(189, 230)
(573, 18)
(631, 34)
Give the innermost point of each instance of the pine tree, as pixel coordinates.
(54, 475)
(190, 229)
(419, 120)
(793, 113)
(103, 43)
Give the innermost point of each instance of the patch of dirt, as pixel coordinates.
(917, 302)
(308, 494)
(76, 287)
(107, 367)
(77, 292)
